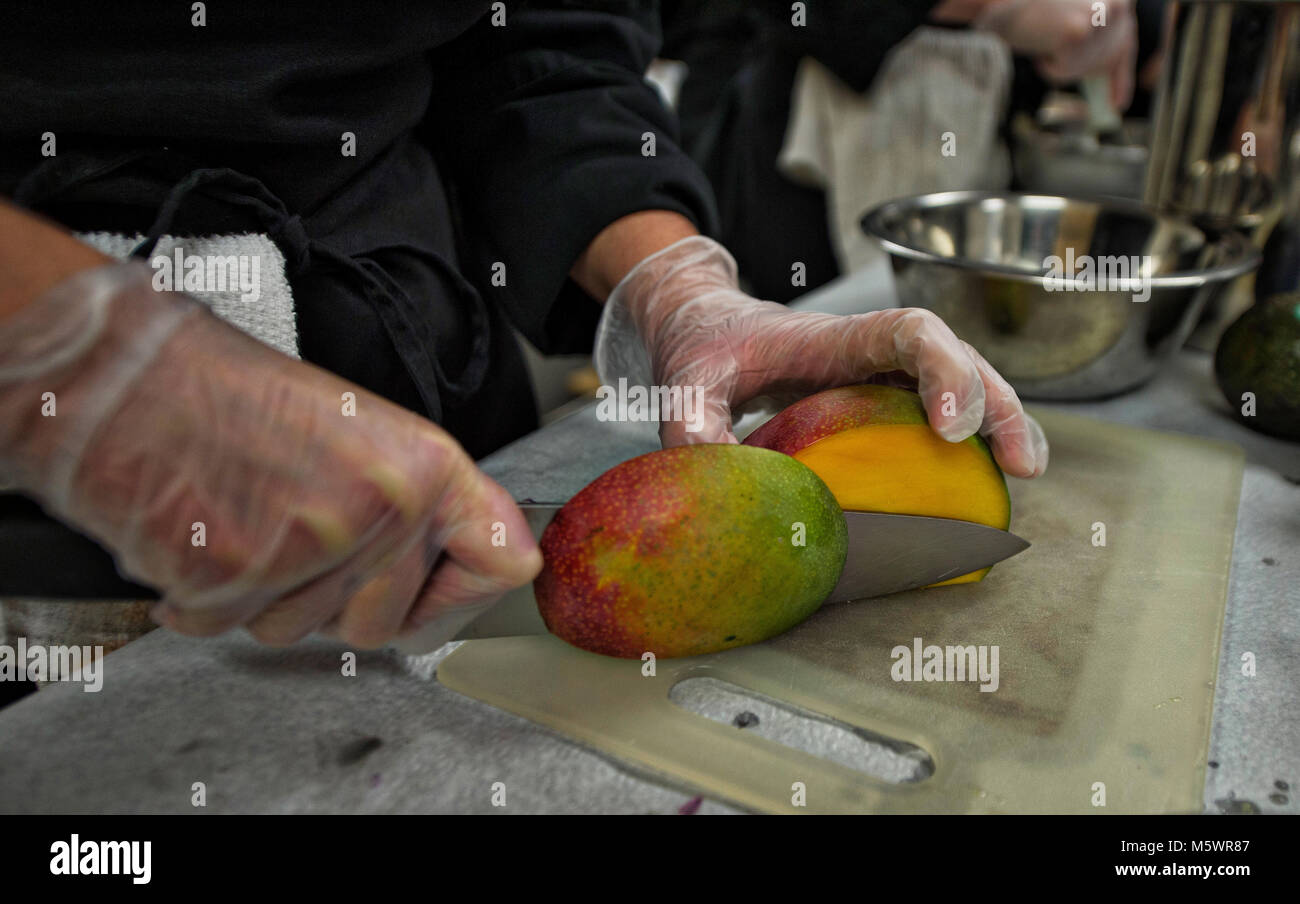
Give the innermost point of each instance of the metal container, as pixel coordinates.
(1061, 157)
(1223, 142)
(983, 262)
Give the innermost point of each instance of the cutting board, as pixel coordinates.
(1107, 656)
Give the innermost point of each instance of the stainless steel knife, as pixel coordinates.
(886, 554)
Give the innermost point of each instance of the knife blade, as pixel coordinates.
(886, 554)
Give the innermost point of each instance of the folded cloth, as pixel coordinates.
(267, 314)
(929, 122)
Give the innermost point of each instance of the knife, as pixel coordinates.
(41, 558)
(886, 554)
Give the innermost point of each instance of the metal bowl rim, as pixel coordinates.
(1246, 257)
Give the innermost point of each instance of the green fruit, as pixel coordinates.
(690, 550)
(1260, 354)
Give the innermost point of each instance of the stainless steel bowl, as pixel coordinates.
(980, 261)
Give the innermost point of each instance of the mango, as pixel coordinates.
(690, 550)
(874, 449)
(1260, 354)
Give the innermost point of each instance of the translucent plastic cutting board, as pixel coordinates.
(1107, 658)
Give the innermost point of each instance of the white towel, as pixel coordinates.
(864, 149)
(270, 318)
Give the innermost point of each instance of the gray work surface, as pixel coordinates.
(283, 731)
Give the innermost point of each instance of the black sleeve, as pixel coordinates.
(849, 37)
(539, 126)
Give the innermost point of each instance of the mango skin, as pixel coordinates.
(1260, 354)
(834, 411)
(688, 551)
(873, 446)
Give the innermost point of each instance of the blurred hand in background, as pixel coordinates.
(1071, 40)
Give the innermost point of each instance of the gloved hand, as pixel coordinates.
(679, 319)
(228, 475)
(1068, 47)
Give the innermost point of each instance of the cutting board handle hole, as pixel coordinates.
(885, 758)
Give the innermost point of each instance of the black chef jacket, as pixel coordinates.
(479, 149)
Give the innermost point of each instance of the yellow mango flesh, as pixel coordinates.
(907, 469)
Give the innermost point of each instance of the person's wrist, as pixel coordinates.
(35, 256)
(684, 272)
(68, 357)
(623, 245)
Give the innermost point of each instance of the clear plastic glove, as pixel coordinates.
(1066, 43)
(679, 319)
(230, 476)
